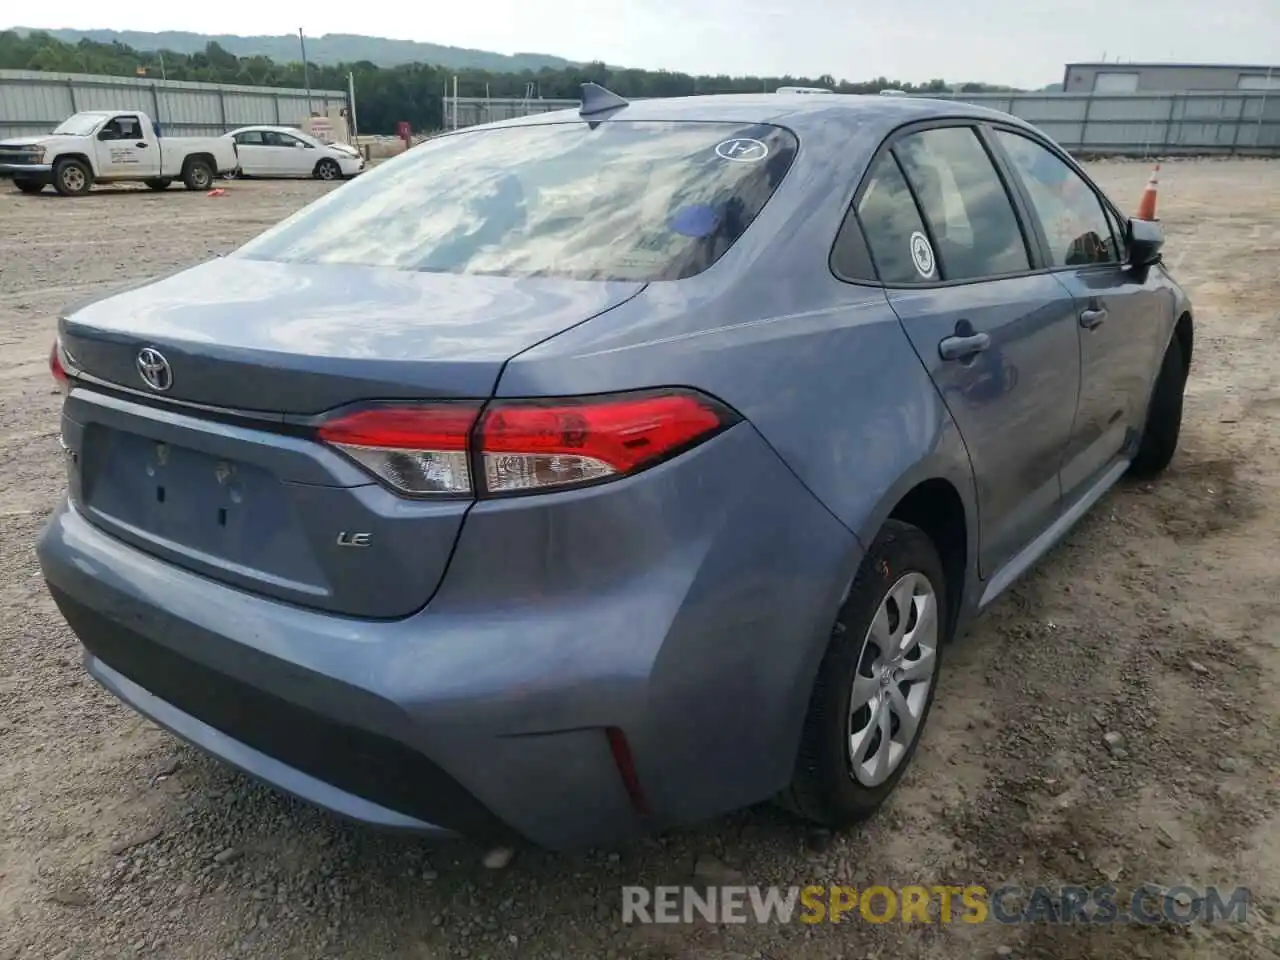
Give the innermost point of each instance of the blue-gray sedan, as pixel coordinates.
(585, 474)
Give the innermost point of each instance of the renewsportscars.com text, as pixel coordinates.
(942, 903)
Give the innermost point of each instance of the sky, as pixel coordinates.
(1018, 42)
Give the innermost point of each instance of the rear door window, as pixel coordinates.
(635, 201)
(974, 228)
(895, 233)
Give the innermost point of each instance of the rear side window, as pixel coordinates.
(250, 138)
(1069, 211)
(633, 201)
(895, 232)
(974, 227)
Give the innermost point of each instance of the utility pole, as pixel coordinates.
(306, 73)
(351, 104)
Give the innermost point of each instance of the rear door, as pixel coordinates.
(1121, 315)
(254, 155)
(996, 334)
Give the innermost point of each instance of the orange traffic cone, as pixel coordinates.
(1147, 205)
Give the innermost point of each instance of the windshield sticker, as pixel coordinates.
(696, 220)
(922, 254)
(742, 150)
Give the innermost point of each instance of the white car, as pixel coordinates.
(267, 151)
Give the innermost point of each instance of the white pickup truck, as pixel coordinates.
(110, 146)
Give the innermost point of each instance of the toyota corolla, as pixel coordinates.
(589, 473)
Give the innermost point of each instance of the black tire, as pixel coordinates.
(824, 789)
(159, 183)
(1164, 417)
(197, 175)
(328, 169)
(72, 178)
(29, 186)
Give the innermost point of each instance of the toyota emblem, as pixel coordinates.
(154, 369)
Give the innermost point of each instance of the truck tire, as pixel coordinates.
(328, 169)
(197, 175)
(29, 186)
(159, 183)
(72, 177)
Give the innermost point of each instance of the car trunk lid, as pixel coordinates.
(218, 473)
(301, 339)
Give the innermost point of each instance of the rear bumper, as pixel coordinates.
(35, 172)
(687, 607)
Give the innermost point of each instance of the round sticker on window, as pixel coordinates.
(922, 254)
(742, 150)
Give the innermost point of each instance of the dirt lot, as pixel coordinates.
(1158, 620)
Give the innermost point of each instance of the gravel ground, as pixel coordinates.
(1112, 719)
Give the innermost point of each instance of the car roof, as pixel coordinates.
(268, 126)
(871, 115)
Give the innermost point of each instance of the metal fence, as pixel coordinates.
(1148, 124)
(470, 111)
(35, 102)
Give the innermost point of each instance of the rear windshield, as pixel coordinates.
(626, 201)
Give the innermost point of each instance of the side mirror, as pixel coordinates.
(104, 134)
(1145, 241)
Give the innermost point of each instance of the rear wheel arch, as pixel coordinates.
(940, 498)
(933, 502)
(937, 509)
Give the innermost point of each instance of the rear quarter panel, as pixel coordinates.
(836, 390)
(820, 368)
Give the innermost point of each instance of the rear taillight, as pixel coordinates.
(58, 366)
(519, 446)
(417, 450)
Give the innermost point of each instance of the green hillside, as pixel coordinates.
(331, 48)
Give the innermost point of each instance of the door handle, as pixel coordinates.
(141, 146)
(963, 347)
(1092, 317)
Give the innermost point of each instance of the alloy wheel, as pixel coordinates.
(896, 670)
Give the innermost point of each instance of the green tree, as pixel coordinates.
(412, 92)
